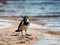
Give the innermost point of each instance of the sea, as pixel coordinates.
(29, 7)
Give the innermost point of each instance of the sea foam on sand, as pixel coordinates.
(4, 25)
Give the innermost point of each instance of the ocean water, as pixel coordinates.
(30, 7)
(51, 23)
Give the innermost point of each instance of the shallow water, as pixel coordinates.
(51, 23)
(47, 39)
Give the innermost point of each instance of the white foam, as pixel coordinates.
(4, 25)
(37, 26)
(7, 20)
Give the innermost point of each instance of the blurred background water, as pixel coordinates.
(29, 7)
(33, 8)
(51, 23)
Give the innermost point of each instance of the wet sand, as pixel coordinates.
(8, 35)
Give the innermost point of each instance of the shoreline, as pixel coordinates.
(31, 17)
(36, 33)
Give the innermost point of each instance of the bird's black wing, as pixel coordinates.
(19, 27)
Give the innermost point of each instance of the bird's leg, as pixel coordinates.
(21, 36)
(22, 33)
(25, 32)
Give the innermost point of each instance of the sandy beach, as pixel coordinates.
(6, 34)
(36, 31)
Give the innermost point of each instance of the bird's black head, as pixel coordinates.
(26, 20)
